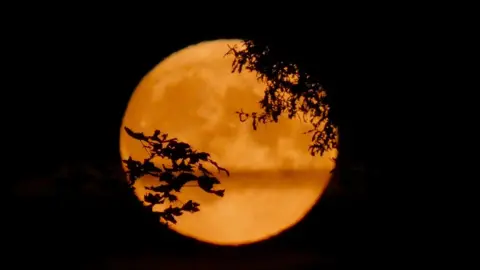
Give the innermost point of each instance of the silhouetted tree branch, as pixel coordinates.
(290, 90)
(186, 166)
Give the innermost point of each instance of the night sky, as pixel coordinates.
(69, 90)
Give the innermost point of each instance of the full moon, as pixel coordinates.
(193, 95)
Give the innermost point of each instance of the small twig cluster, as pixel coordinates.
(186, 166)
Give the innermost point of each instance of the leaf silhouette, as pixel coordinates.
(152, 198)
(206, 182)
(181, 180)
(160, 188)
(171, 197)
(169, 217)
(191, 206)
(150, 167)
(135, 135)
(220, 192)
(186, 165)
(176, 211)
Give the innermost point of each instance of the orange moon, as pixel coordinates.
(192, 95)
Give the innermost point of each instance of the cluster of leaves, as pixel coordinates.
(290, 90)
(187, 166)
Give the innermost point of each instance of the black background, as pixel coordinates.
(67, 88)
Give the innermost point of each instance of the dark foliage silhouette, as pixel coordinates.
(186, 166)
(290, 90)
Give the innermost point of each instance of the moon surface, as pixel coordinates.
(192, 95)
